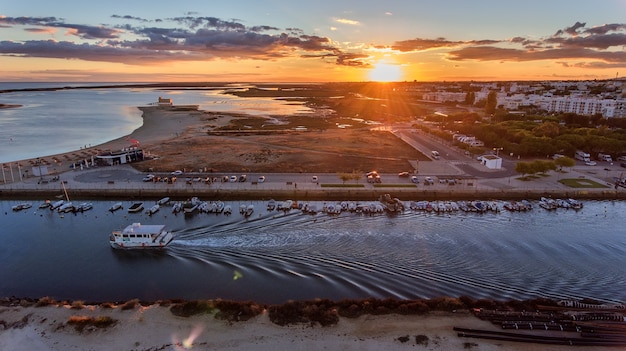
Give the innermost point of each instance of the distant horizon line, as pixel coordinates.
(307, 82)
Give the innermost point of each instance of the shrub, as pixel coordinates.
(190, 308)
(237, 311)
(81, 322)
(45, 301)
(129, 305)
(78, 305)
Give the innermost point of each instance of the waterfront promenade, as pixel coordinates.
(124, 182)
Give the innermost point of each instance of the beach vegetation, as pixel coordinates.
(236, 311)
(77, 305)
(45, 301)
(129, 305)
(191, 308)
(82, 322)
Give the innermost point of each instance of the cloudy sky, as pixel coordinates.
(311, 41)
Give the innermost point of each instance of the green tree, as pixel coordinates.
(345, 177)
(491, 103)
(523, 168)
(543, 166)
(564, 162)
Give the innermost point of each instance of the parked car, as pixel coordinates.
(429, 181)
(403, 174)
(148, 178)
(415, 180)
(314, 179)
(232, 179)
(243, 177)
(623, 164)
(261, 179)
(177, 173)
(591, 163)
(451, 181)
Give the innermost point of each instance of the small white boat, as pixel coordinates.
(116, 206)
(45, 204)
(154, 209)
(136, 207)
(138, 236)
(56, 204)
(271, 205)
(85, 206)
(22, 206)
(249, 210)
(575, 204)
(66, 207)
(228, 210)
(177, 207)
(163, 201)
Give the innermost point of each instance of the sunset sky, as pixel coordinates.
(311, 41)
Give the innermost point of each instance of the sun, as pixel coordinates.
(385, 72)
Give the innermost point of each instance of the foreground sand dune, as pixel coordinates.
(156, 328)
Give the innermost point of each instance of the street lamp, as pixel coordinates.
(497, 150)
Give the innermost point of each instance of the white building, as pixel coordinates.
(491, 161)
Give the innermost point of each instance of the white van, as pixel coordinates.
(434, 154)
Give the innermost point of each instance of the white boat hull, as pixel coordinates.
(138, 236)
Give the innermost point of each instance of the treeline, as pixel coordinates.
(537, 136)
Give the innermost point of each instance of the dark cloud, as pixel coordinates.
(128, 17)
(192, 37)
(29, 21)
(592, 65)
(603, 29)
(597, 41)
(82, 31)
(419, 44)
(208, 22)
(572, 43)
(490, 53)
(573, 30)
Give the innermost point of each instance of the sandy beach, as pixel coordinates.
(154, 327)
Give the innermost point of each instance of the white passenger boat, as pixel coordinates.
(163, 201)
(138, 236)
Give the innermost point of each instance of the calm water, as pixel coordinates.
(51, 122)
(273, 257)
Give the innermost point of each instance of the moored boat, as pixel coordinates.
(154, 209)
(575, 204)
(85, 206)
(66, 207)
(55, 205)
(116, 206)
(22, 206)
(271, 205)
(163, 201)
(138, 236)
(136, 207)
